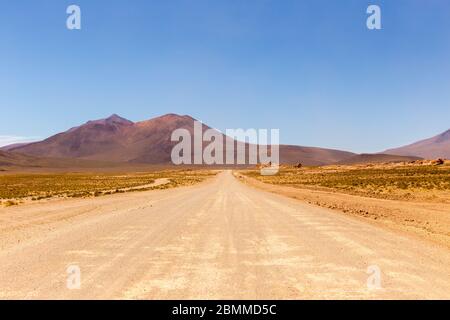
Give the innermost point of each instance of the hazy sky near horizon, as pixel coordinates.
(310, 68)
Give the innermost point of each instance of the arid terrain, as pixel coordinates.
(409, 197)
(225, 150)
(219, 238)
(434, 147)
(19, 188)
(118, 140)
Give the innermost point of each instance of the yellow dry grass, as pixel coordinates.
(395, 182)
(41, 185)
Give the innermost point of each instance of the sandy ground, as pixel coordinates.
(220, 239)
(427, 220)
(156, 183)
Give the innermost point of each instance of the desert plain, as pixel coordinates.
(305, 233)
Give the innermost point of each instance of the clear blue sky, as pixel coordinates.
(310, 68)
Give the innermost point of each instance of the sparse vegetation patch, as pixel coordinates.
(397, 182)
(42, 186)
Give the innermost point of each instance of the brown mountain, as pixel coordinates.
(376, 158)
(120, 140)
(15, 159)
(432, 148)
(12, 146)
(11, 160)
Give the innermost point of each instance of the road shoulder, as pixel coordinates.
(427, 221)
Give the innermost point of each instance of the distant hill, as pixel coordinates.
(120, 140)
(311, 156)
(12, 146)
(376, 158)
(432, 148)
(19, 160)
(15, 159)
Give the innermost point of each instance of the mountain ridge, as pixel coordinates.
(148, 141)
(437, 146)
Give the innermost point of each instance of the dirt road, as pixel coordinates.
(220, 239)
